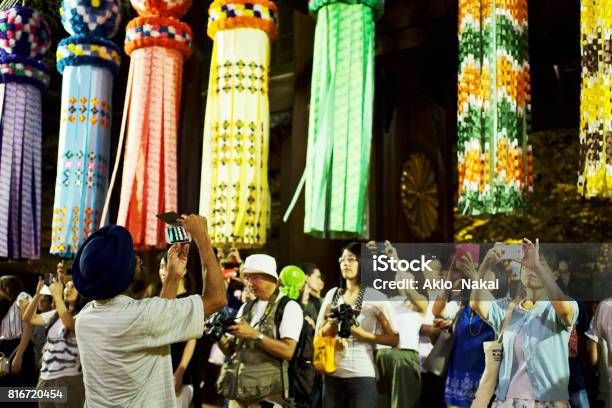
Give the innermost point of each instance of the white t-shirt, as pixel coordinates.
(291, 322)
(449, 312)
(451, 309)
(12, 326)
(408, 321)
(601, 326)
(125, 348)
(425, 345)
(60, 356)
(356, 358)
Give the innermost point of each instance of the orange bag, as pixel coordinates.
(323, 359)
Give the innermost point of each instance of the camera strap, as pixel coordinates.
(268, 309)
(340, 292)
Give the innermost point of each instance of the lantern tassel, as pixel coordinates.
(150, 181)
(24, 38)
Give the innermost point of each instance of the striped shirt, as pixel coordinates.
(60, 355)
(125, 348)
(12, 325)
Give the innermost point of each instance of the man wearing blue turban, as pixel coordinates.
(124, 343)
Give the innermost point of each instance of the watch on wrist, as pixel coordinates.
(259, 338)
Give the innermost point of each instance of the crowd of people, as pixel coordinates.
(112, 342)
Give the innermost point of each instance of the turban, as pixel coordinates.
(104, 264)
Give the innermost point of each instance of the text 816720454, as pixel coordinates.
(26, 394)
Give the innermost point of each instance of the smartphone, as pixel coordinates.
(462, 249)
(512, 252)
(169, 218)
(49, 278)
(176, 234)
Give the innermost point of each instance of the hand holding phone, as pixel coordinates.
(177, 261)
(175, 233)
(463, 249)
(512, 252)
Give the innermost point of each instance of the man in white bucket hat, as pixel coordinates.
(263, 340)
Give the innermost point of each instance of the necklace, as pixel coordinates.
(472, 313)
(340, 293)
(525, 307)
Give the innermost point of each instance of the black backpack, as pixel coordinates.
(301, 371)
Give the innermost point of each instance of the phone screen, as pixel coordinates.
(177, 234)
(49, 278)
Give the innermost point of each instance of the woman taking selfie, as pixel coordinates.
(60, 363)
(399, 371)
(466, 361)
(534, 370)
(353, 384)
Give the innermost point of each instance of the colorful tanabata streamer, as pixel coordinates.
(157, 43)
(234, 191)
(595, 167)
(495, 159)
(340, 124)
(88, 61)
(24, 38)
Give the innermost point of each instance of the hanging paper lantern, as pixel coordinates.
(493, 92)
(87, 60)
(595, 167)
(234, 191)
(157, 43)
(24, 38)
(340, 123)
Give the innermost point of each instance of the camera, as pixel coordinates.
(217, 324)
(346, 316)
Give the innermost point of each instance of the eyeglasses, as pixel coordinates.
(347, 260)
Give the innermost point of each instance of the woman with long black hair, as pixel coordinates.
(185, 355)
(353, 384)
(466, 361)
(60, 363)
